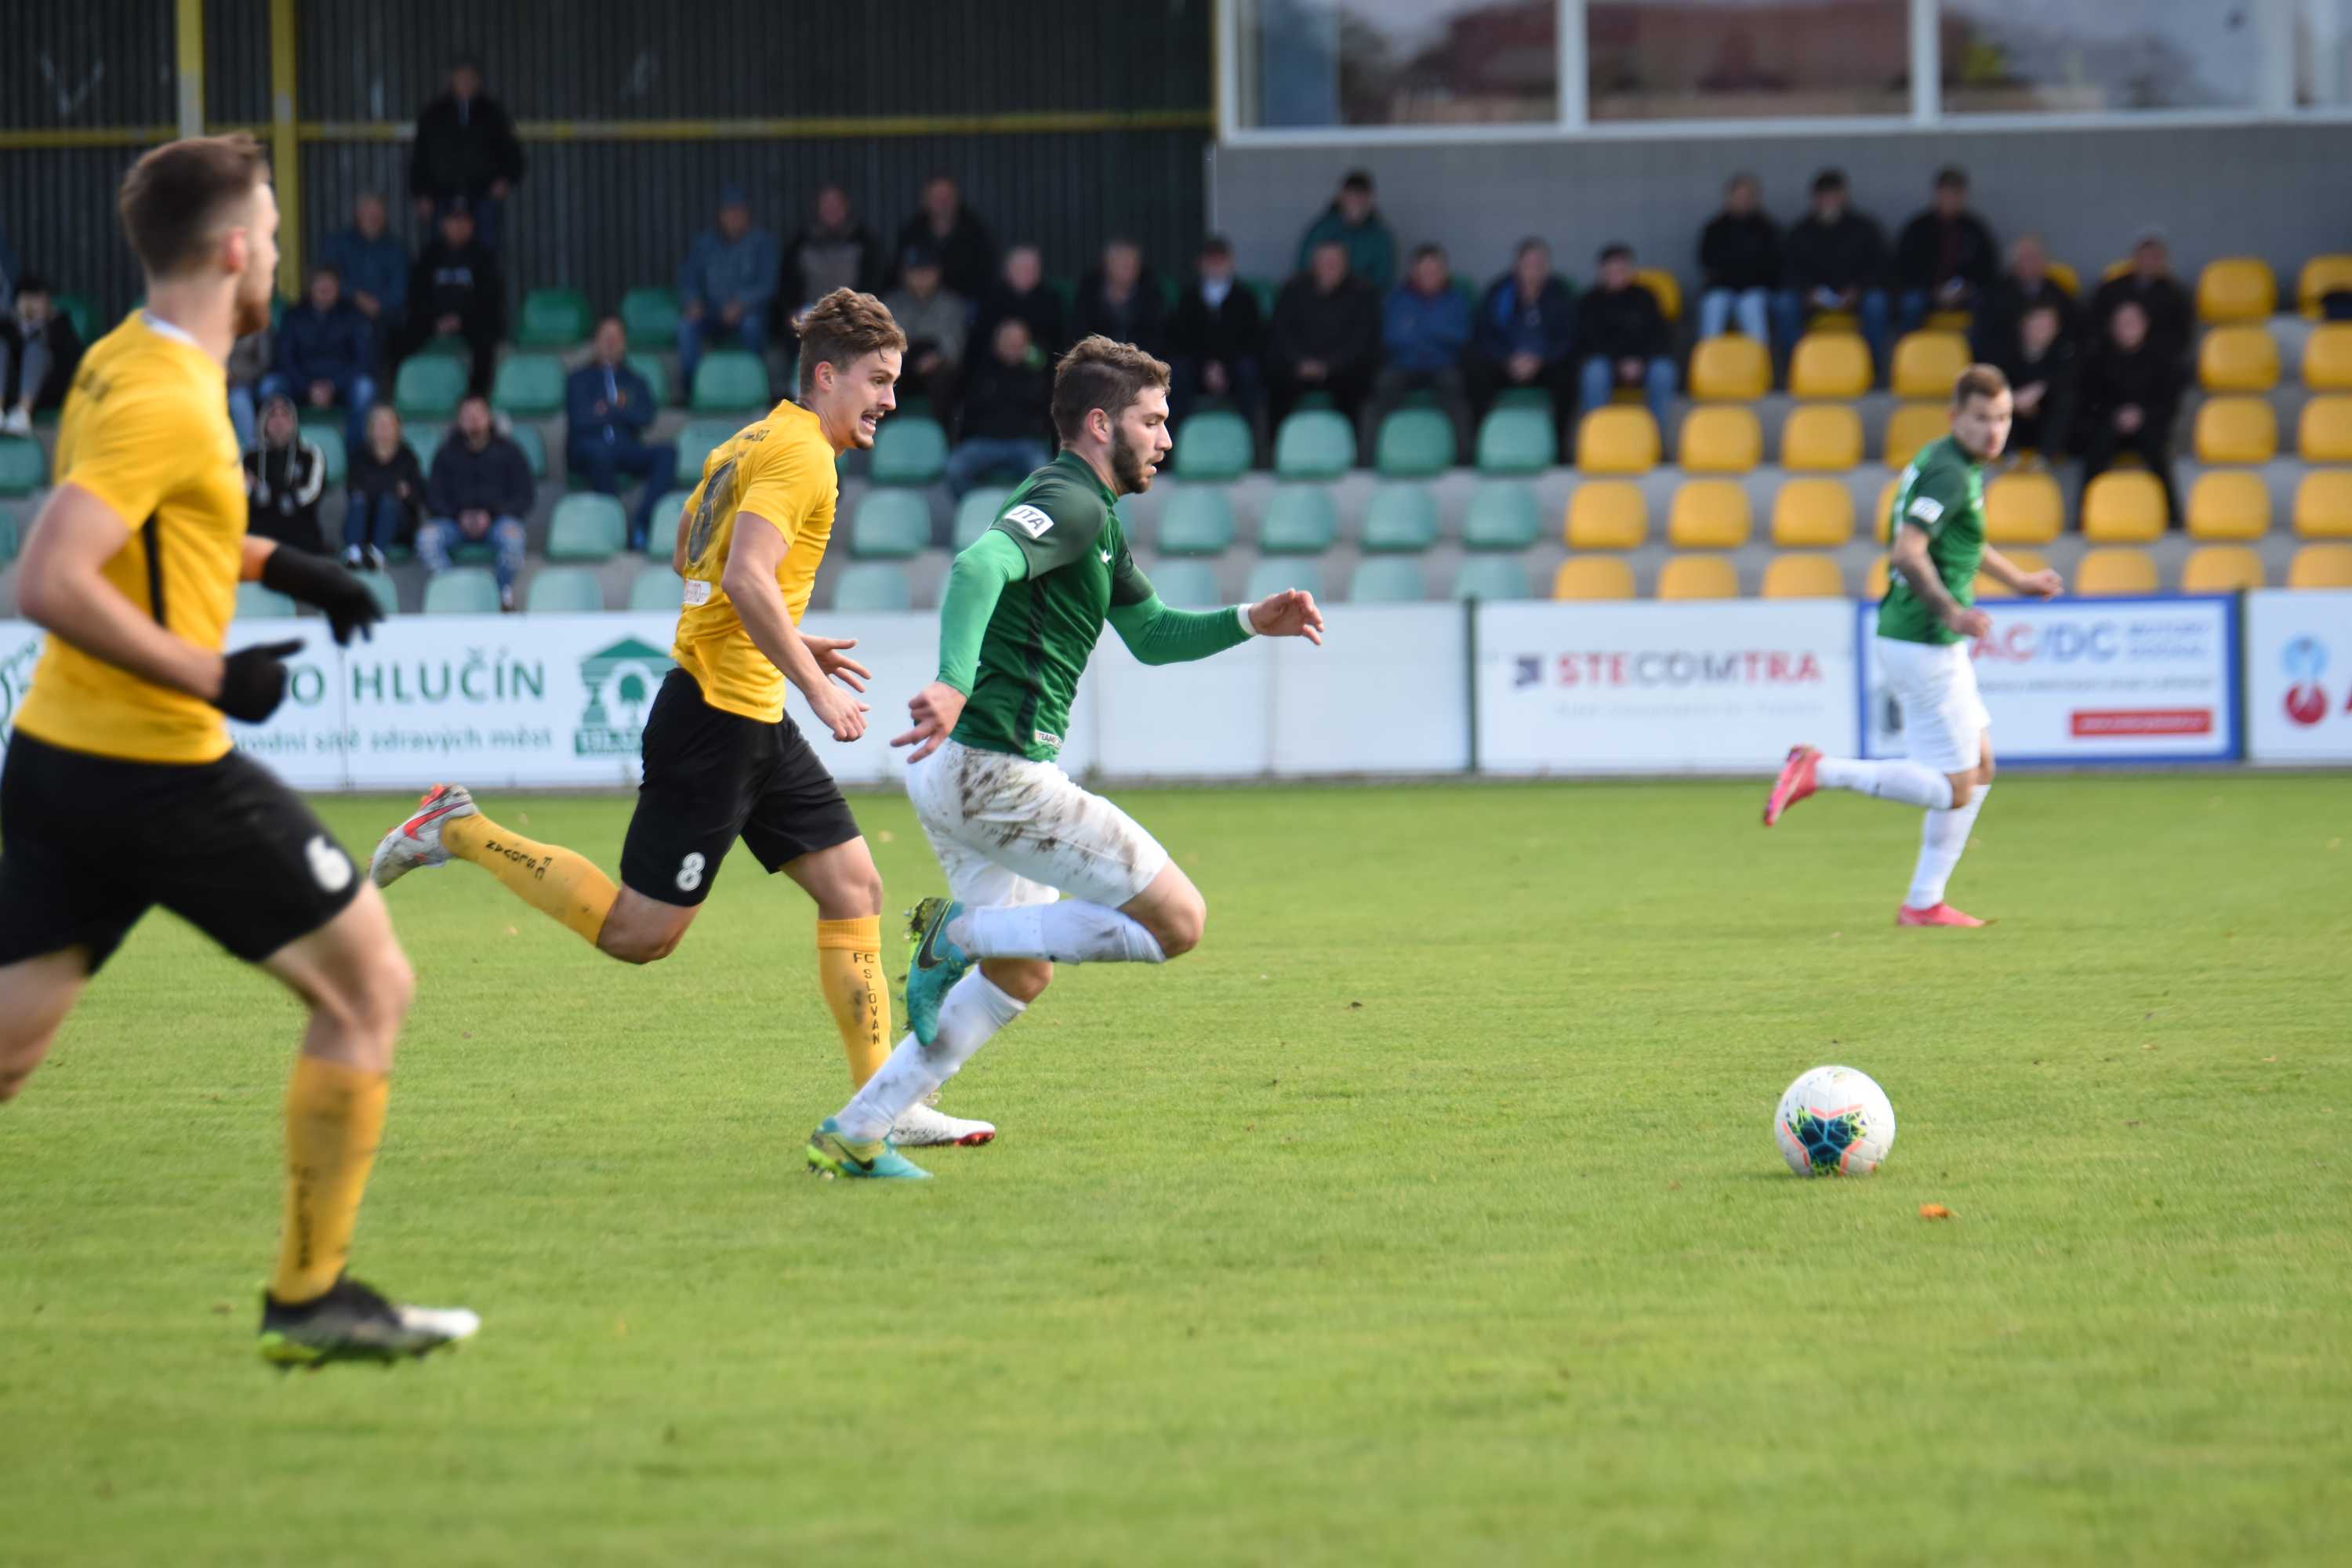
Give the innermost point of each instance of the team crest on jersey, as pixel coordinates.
(1030, 521)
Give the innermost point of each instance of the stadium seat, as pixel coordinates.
(462, 591)
(909, 450)
(1720, 440)
(2327, 357)
(1197, 521)
(1606, 514)
(23, 466)
(2221, 568)
(2229, 506)
(380, 587)
(1402, 520)
(1213, 445)
(872, 587)
(1988, 587)
(657, 373)
(890, 525)
(1517, 439)
(1911, 427)
(2238, 359)
(1386, 580)
(1829, 365)
(2114, 571)
(1617, 440)
(1300, 520)
(1882, 519)
(83, 314)
(1592, 577)
(1502, 516)
(2123, 509)
(661, 529)
(1822, 438)
(528, 386)
(256, 603)
(2321, 566)
(587, 527)
(2236, 288)
(1666, 288)
(650, 314)
(730, 381)
(329, 439)
(535, 448)
(1412, 444)
(552, 319)
(446, 345)
(2236, 430)
(2323, 505)
(564, 591)
(1804, 575)
(1926, 363)
(1314, 443)
(1709, 514)
(428, 386)
(1186, 585)
(1281, 574)
(1874, 581)
(655, 588)
(1492, 577)
(424, 437)
(2023, 508)
(11, 535)
(976, 514)
(1812, 514)
(2320, 277)
(1697, 577)
(2067, 277)
(1730, 369)
(2323, 432)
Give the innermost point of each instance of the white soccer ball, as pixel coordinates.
(1834, 1121)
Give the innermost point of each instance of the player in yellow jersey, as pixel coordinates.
(121, 790)
(721, 760)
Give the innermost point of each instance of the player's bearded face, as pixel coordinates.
(1140, 440)
(260, 275)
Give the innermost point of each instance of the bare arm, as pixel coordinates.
(61, 588)
(1910, 557)
(2043, 585)
(256, 555)
(749, 582)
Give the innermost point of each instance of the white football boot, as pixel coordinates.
(921, 1127)
(417, 841)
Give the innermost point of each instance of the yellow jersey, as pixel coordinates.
(146, 430)
(780, 471)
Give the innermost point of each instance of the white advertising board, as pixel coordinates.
(2299, 676)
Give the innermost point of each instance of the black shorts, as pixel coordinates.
(90, 844)
(713, 777)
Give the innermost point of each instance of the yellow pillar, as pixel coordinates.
(188, 40)
(285, 151)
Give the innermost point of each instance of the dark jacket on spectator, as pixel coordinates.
(1544, 327)
(1226, 334)
(1040, 307)
(817, 262)
(1342, 328)
(967, 251)
(2058, 372)
(629, 403)
(2147, 379)
(1920, 253)
(1848, 254)
(1621, 324)
(377, 267)
(1423, 334)
(462, 148)
(2003, 308)
(370, 480)
(496, 479)
(281, 486)
(462, 282)
(2165, 301)
(1741, 253)
(1371, 245)
(1141, 318)
(325, 345)
(65, 358)
(1009, 401)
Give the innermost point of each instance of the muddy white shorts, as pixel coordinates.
(1010, 831)
(1944, 719)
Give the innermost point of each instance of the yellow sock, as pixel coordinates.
(849, 967)
(334, 1118)
(558, 883)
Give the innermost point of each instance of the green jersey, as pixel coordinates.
(1942, 493)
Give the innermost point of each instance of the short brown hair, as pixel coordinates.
(1100, 374)
(1978, 381)
(174, 195)
(842, 328)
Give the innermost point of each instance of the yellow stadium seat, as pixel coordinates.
(1662, 284)
(1874, 581)
(2114, 571)
(2322, 276)
(2067, 277)
(1804, 575)
(2327, 358)
(2236, 288)
(1989, 587)
(1833, 322)
(1730, 369)
(1830, 365)
(2115, 270)
(1608, 514)
(1709, 514)
(1593, 577)
(1911, 427)
(2221, 568)
(2238, 359)
(1822, 438)
(1927, 363)
(2321, 566)
(2324, 432)
(1955, 321)
(1720, 440)
(2227, 505)
(1812, 514)
(2123, 509)
(2236, 430)
(1617, 441)
(2323, 504)
(1697, 577)
(2023, 508)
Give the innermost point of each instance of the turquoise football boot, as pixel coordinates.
(831, 1155)
(936, 966)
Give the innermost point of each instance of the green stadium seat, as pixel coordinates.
(1197, 521)
(329, 439)
(1300, 520)
(890, 525)
(564, 591)
(535, 448)
(424, 439)
(873, 587)
(1386, 580)
(694, 444)
(446, 346)
(462, 591)
(1403, 520)
(655, 588)
(661, 531)
(383, 589)
(428, 388)
(1524, 397)
(1213, 445)
(528, 387)
(587, 527)
(1502, 516)
(1492, 577)
(1314, 443)
(11, 535)
(1413, 443)
(1186, 585)
(553, 319)
(976, 512)
(1517, 441)
(650, 314)
(908, 450)
(24, 468)
(1265, 289)
(256, 603)
(1275, 575)
(78, 309)
(656, 370)
(729, 380)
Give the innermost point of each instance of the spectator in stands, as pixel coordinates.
(954, 236)
(725, 286)
(386, 493)
(2131, 390)
(1021, 290)
(606, 408)
(481, 491)
(1326, 336)
(1946, 255)
(1216, 340)
(466, 151)
(1007, 413)
(832, 250)
(1354, 222)
(1620, 337)
(374, 271)
(39, 352)
(1740, 251)
(933, 318)
(455, 290)
(2151, 286)
(248, 362)
(283, 477)
(2039, 364)
(1525, 334)
(9, 270)
(1122, 300)
(1424, 328)
(2001, 314)
(326, 354)
(1835, 259)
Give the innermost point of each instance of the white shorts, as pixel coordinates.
(1010, 831)
(1944, 717)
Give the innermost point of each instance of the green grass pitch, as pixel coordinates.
(1429, 1214)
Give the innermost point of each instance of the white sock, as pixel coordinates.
(1942, 836)
(1070, 931)
(974, 1010)
(1898, 780)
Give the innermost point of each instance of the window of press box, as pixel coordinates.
(1312, 63)
(2101, 56)
(1746, 59)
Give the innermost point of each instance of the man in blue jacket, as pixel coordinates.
(606, 407)
(326, 355)
(373, 267)
(1525, 335)
(479, 493)
(1425, 325)
(724, 288)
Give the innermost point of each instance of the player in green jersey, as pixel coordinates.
(1039, 871)
(1926, 624)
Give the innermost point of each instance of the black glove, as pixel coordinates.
(315, 580)
(253, 680)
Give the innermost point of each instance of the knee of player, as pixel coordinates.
(636, 947)
(1964, 788)
(1984, 771)
(1180, 928)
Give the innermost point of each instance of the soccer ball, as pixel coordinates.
(1834, 1121)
